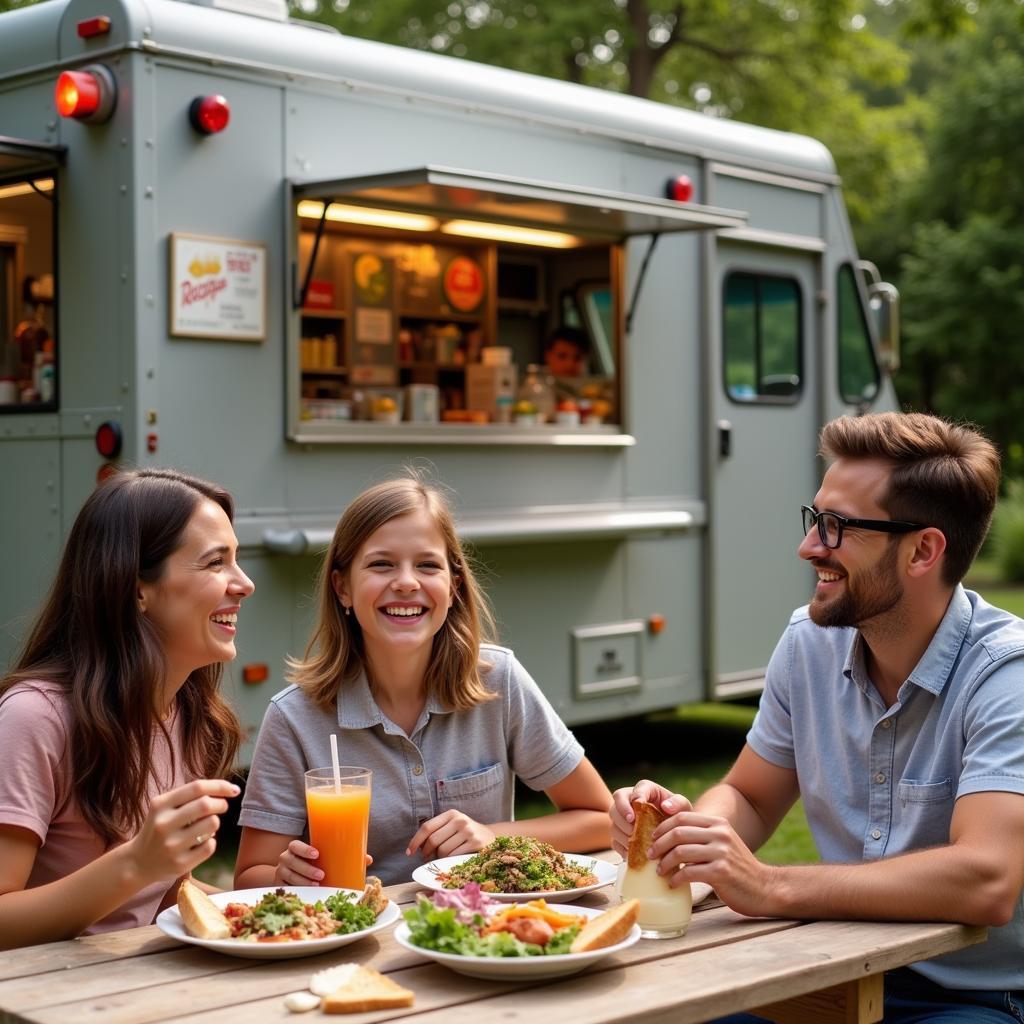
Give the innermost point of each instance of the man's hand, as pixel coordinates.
(694, 847)
(622, 811)
(449, 834)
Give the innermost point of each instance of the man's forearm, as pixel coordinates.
(728, 802)
(948, 883)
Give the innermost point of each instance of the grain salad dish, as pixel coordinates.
(518, 864)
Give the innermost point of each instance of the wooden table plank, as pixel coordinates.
(89, 949)
(856, 1002)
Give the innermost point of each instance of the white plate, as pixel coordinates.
(171, 924)
(605, 872)
(508, 968)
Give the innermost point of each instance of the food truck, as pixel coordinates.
(295, 262)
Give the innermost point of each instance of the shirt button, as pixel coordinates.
(887, 723)
(876, 834)
(880, 777)
(417, 769)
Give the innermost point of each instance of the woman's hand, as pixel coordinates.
(177, 833)
(448, 834)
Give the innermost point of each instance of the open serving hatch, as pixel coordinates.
(447, 198)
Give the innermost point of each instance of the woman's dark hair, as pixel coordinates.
(92, 640)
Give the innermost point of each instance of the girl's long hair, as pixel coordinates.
(93, 642)
(336, 653)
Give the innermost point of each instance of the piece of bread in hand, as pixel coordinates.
(366, 990)
(201, 916)
(606, 929)
(647, 818)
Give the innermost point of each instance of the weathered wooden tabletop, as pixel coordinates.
(812, 972)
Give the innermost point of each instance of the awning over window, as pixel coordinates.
(590, 213)
(23, 159)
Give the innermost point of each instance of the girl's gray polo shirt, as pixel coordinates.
(454, 759)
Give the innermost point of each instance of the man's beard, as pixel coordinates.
(878, 591)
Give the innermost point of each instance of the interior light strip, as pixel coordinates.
(368, 215)
(24, 188)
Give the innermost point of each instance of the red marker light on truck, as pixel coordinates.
(209, 114)
(91, 27)
(679, 188)
(88, 95)
(108, 439)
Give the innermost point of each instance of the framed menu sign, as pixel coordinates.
(218, 288)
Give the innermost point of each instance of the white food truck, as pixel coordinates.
(293, 262)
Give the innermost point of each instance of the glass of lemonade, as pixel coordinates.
(664, 911)
(339, 822)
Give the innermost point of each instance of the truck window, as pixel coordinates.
(398, 328)
(762, 338)
(28, 354)
(858, 371)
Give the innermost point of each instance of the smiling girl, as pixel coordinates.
(400, 668)
(112, 730)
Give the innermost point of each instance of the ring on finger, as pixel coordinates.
(201, 838)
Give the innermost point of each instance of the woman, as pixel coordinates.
(112, 732)
(398, 666)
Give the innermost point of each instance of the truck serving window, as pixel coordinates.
(28, 353)
(858, 371)
(762, 338)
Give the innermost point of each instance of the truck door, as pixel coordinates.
(765, 420)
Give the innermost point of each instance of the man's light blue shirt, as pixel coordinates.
(880, 781)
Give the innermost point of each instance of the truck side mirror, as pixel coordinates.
(884, 307)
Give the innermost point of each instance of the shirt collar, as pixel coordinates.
(932, 672)
(358, 710)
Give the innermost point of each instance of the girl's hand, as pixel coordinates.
(294, 866)
(177, 834)
(448, 834)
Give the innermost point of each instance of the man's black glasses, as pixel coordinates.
(831, 525)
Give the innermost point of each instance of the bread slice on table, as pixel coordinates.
(606, 929)
(647, 818)
(366, 990)
(201, 916)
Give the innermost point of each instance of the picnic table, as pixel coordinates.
(815, 972)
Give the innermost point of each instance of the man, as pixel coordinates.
(894, 705)
(567, 352)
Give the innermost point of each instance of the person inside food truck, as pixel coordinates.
(892, 706)
(567, 352)
(114, 739)
(400, 668)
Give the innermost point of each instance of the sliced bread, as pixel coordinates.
(366, 990)
(200, 915)
(606, 929)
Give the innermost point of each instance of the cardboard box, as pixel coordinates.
(486, 384)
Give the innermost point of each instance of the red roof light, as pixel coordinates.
(87, 95)
(98, 26)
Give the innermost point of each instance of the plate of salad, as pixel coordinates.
(515, 868)
(469, 932)
(278, 923)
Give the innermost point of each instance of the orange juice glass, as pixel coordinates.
(339, 820)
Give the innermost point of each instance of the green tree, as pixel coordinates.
(963, 276)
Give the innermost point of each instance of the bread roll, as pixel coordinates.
(606, 929)
(367, 990)
(201, 916)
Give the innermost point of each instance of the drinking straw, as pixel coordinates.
(334, 763)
